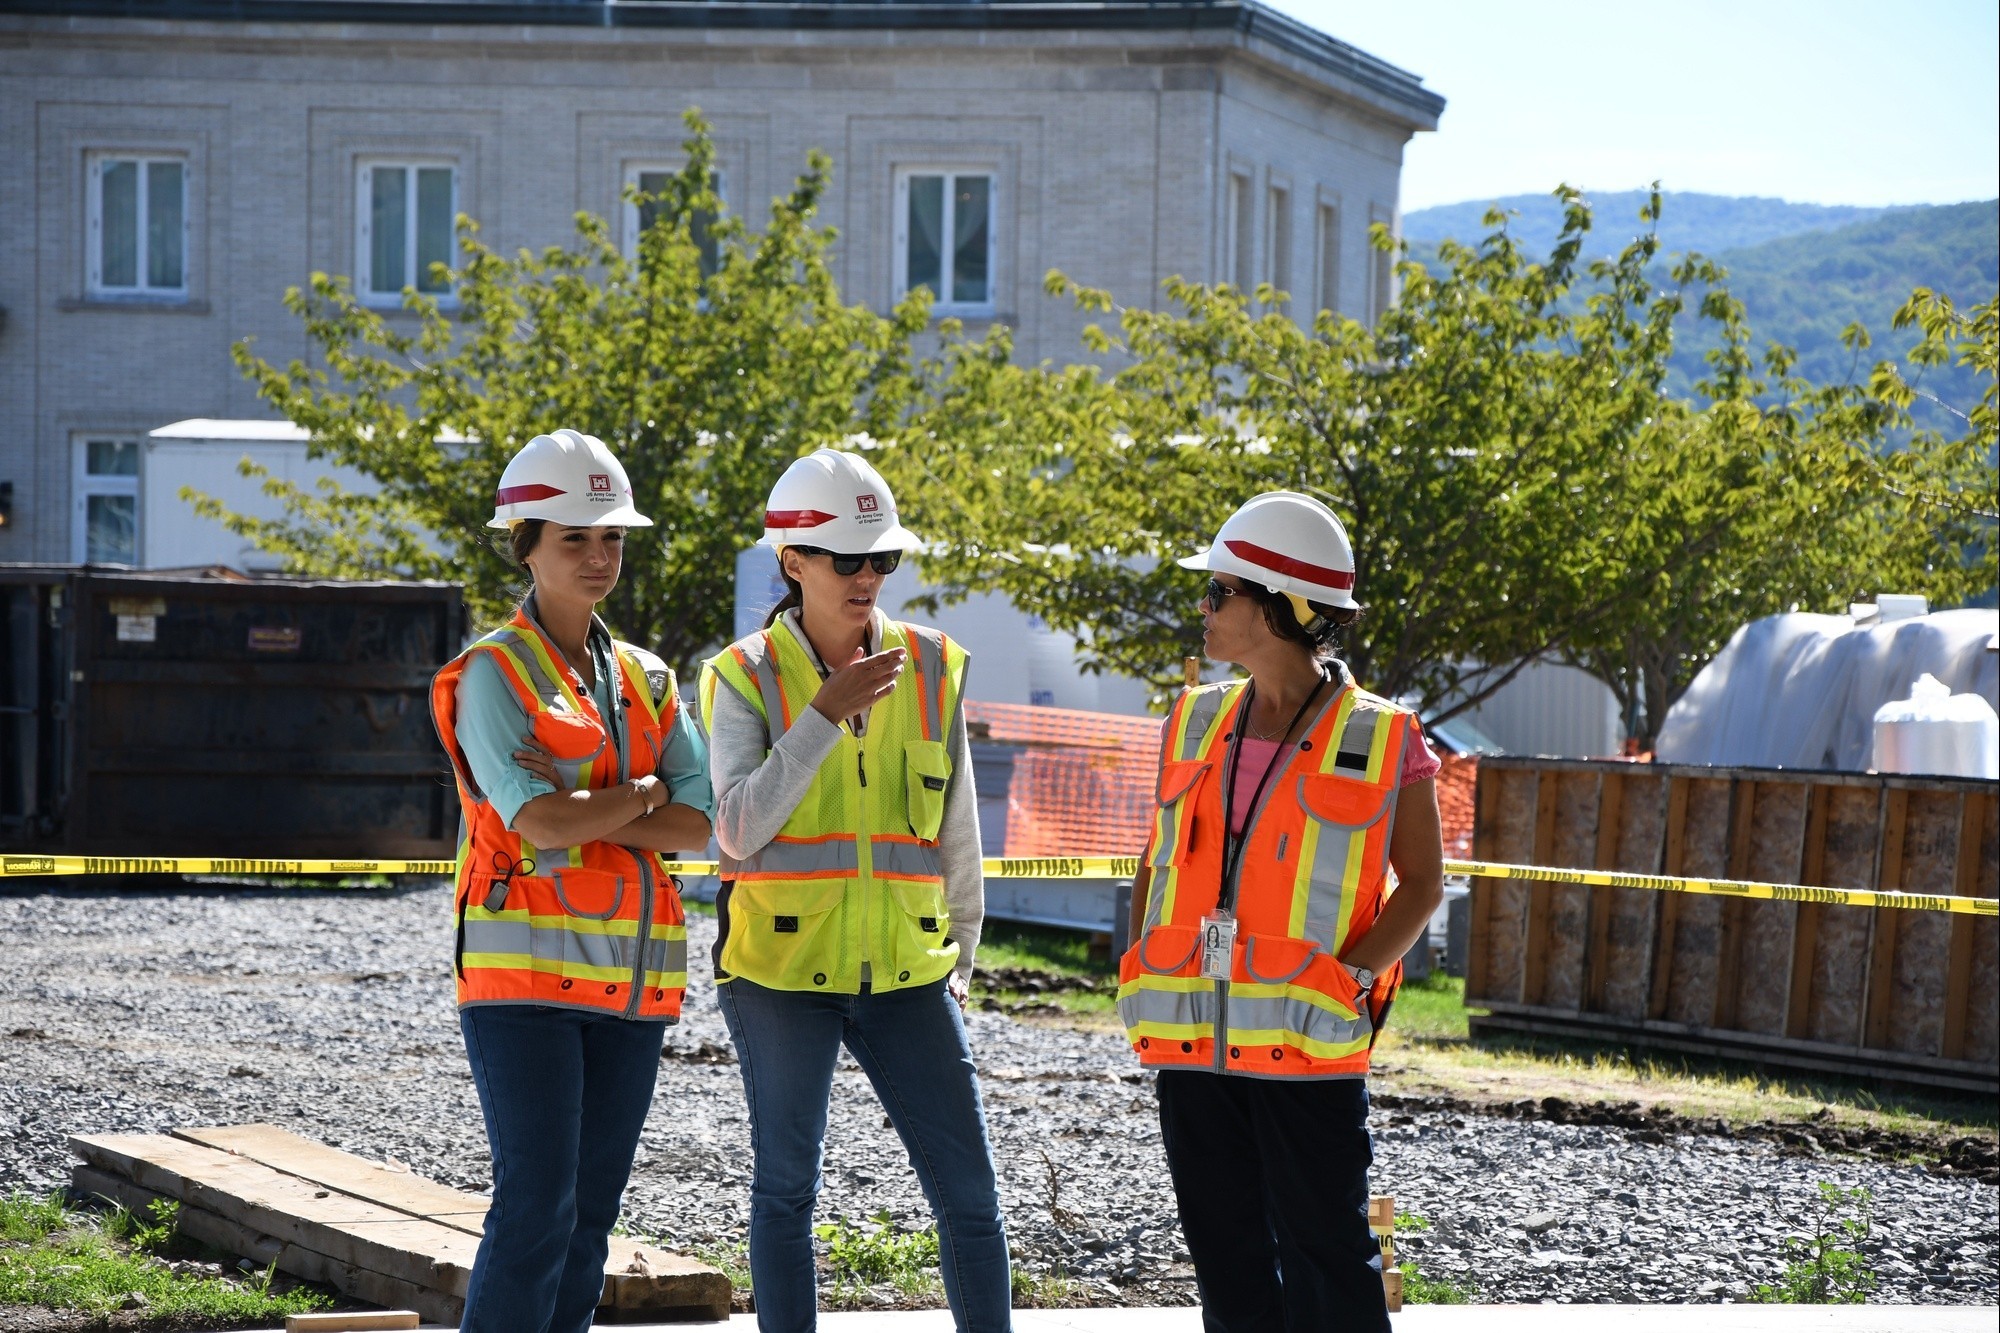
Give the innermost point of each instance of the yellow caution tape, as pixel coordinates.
(1732, 888)
(1029, 867)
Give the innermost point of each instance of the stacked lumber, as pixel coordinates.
(372, 1232)
(1382, 1221)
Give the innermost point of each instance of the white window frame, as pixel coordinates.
(944, 305)
(1238, 234)
(94, 241)
(1326, 255)
(86, 484)
(640, 167)
(1278, 233)
(364, 250)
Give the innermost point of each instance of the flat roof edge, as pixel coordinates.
(1246, 17)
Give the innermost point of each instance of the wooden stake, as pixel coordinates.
(1191, 671)
(1382, 1221)
(356, 1321)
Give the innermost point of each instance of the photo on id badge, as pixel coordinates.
(1218, 942)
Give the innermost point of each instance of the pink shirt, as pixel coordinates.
(1253, 761)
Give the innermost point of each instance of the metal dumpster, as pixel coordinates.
(191, 713)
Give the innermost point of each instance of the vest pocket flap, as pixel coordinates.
(925, 902)
(926, 775)
(594, 895)
(1178, 778)
(572, 738)
(1168, 949)
(764, 899)
(1300, 965)
(1346, 801)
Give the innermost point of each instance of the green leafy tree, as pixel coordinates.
(1518, 481)
(706, 384)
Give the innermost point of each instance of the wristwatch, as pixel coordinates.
(1363, 978)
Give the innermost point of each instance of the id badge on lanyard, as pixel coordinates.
(1218, 945)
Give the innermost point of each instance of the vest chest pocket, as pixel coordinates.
(917, 946)
(594, 895)
(1179, 789)
(926, 775)
(1342, 810)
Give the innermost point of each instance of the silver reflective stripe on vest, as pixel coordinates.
(1261, 1015)
(781, 856)
(1357, 739)
(1178, 1008)
(517, 937)
(908, 859)
(553, 942)
(930, 663)
(1202, 711)
(668, 956)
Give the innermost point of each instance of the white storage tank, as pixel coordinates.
(1938, 733)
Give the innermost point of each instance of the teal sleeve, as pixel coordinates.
(684, 764)
(491, 723)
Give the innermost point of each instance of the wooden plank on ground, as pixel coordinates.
(296, 1155)
(343, 1228)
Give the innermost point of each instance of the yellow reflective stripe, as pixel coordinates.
(1151, 981)
(1290, 993)
(635, 676)
(1324, 1050)
(1330, 752)
(520, 962)
(554, 673)
(1378, 744)
(1302, 879)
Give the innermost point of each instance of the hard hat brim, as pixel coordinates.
(624, 516)
(897, 538)
(1215, 560)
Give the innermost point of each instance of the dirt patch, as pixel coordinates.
(1975, 1157)
(36, 1319)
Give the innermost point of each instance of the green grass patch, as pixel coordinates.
(62, 1259)
(874, 1252)
(1009, 944)
(1419, 1289)
(1827, 1267)
(1431, 1010)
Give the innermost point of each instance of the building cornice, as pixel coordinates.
(1341, 68)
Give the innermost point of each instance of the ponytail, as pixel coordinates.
(794, 595)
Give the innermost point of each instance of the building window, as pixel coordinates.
(1383, 271)
(1327, 249)
(405, 214)
(945, 238)
(138, 226)
(638, 217)
(1278, 244)
(1236, 231)
(106, 527)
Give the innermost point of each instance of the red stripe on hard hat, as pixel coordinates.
(796, 518)
(508, 495)
(1285, 564)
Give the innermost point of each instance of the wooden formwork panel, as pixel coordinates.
(1918, 987)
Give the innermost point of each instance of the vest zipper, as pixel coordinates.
(864, 856)
(1221, 1062)
(860, 761)
(645, 940)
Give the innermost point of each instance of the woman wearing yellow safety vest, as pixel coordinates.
(577, 767)
(1268, 941)
(851, 887)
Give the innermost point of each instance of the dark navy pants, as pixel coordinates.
(564, 1093)
(1271, 1177)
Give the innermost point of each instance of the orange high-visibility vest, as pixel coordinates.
(1312, 878)
(594, 927)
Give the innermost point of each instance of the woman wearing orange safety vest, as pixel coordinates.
(1269, 929)
(852, 890)
(577, 768)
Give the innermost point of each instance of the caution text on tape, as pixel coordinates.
(1030, 867)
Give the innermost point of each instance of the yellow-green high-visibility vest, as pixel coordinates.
(854, 879)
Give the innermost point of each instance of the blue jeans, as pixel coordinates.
(911, 1044)
(564, 1093)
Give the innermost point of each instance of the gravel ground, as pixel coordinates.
(331, 1014)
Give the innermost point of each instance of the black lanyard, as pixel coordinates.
(1234, 843)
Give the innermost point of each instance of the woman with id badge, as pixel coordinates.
(1295, 858)
(852, 890)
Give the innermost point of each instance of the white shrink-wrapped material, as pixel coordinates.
(1937, 732)
(1801, 690)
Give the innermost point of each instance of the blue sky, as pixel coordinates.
(1827, 102)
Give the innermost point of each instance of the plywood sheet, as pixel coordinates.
(1982, 1001)
(1840, 959)
(1698, 928)
(1776, 846)
(1642, 837)
(1923, 939)
(1508, 837)
(1567, 931)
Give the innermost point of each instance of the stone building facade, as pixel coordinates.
(167, 170)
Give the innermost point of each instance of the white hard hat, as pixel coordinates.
(568, 478)
(1288, 542)
(837, 502)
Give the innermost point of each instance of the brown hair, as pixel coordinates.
(521, 539)
(794, 594)
(1322, 638)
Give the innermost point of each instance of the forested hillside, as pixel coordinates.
(1804, 274)
(1710, 223)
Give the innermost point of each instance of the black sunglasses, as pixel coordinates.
(882, 562)
(1217, 590)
